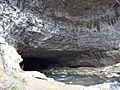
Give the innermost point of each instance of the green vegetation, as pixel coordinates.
(15, 87)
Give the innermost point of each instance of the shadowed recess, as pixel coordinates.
(36, 64)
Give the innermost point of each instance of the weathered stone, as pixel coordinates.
(38, 84)
(9, 58)
(37, 81)
(2, 70)
(75, 33)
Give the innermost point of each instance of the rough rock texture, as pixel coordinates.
(73, 32)
(2, 71)
(20, 80)
(9, 58)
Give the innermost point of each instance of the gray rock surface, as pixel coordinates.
(73, 32)
(15, 78)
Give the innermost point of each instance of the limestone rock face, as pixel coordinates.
(9, 58)
(76, 32)
(2, 70)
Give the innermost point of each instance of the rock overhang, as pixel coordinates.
(66, 30)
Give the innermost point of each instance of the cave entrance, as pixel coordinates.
(37, 64)
(55, 69)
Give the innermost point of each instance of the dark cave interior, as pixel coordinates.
(37, 64)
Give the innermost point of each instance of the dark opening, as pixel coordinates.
(37, 64)
(41, 64)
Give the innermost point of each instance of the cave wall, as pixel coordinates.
(79, 32)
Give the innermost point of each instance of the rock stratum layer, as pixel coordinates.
(73, 32)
